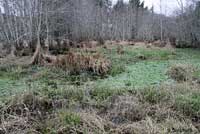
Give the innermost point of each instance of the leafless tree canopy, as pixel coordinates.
(25, 21)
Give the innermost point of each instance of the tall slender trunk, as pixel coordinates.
(137, 22)
(38, 56)
(13, 50)
(161, 22)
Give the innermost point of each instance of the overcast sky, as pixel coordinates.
(168, 5)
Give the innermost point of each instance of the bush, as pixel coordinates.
(101, 41)
(183, 44)
(181, 72)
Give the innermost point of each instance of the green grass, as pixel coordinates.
(152, 71)
(104, 93)
(127, 71)
(189, 104)
(154, 95)
(70, 118)
(140, 74)
(145, 80)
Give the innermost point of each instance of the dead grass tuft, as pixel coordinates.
(123, 109)
(150, 126)
(120, 50)
(79, 62)
(160, 43)
(88, 123)
(21, 113)
(181, 72)
(141, 57)
(29, 104)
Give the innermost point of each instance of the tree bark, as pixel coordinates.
(13, 50)
(38, 56)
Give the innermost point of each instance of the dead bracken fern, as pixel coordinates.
(76, 62)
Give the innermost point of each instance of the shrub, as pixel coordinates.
(182, 44)
(181, 72)
(101, 41)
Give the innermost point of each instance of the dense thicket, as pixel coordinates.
(33, 20)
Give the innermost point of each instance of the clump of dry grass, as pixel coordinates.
(150, 126)
(159, 43)
(82, 123)
(123, 109)
(79, 62)
(181, 72)
(120, 50)
(22, 111)
(141, 57)
(29, 104)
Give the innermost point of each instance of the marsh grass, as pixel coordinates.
(136, 96)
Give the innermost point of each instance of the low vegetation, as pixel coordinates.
(99, 67)
(181, 72)
(145, 90)
(76, 63)
(158, 109)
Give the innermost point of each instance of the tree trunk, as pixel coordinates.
(37, 58)
(46, 50)
(13, 50)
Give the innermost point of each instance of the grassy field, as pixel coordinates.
(139, 74)
(128, 70)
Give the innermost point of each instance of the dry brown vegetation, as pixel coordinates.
(120, 50)
(76, 62)
(152, 111)
(181, 72)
